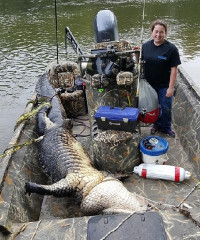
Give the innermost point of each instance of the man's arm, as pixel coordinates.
(173, 75)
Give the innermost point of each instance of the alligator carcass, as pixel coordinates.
(70, 167)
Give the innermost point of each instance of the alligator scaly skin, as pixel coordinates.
(70, 167)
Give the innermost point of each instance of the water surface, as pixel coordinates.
(28, 42)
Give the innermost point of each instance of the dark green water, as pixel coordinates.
(28, 43)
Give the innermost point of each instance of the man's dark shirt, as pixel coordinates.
(158, 61)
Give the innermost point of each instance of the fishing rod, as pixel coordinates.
(56, 22)
(142, 30)
(140, 59)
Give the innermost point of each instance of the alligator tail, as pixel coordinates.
(64, 187)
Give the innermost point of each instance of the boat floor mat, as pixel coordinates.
(145, 226)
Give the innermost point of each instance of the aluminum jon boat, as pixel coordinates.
(108, 76)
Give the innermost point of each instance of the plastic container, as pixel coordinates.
(116, 118)
(150, 116)
(165, 172)
(148, 103)
(154, 149)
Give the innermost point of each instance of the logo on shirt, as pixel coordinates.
(162, 57)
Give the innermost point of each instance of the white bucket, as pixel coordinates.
(162, 159)
(154, 150)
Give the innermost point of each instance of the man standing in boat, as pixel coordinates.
(161, 60)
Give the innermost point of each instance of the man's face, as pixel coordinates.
(158, 34)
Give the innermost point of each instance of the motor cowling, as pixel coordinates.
(105, 27)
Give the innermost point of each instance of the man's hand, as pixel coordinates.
(170, 92)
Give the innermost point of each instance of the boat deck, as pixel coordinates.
(60, 218)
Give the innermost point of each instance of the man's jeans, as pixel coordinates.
(165, 118)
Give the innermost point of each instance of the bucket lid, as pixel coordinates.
(156, 150)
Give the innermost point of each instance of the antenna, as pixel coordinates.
(56, 21)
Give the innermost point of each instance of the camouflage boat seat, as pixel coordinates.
(116, 151)
(64, 76)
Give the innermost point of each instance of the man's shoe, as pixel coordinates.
(154, 130)
(171, 134)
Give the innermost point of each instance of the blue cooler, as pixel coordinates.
(116, 118)
(154, 149)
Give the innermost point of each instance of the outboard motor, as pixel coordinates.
(105, 27)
